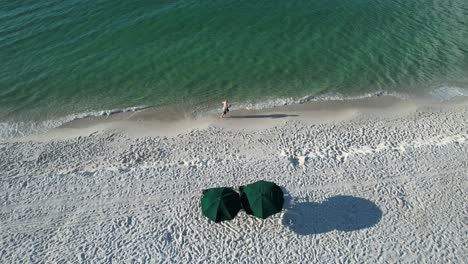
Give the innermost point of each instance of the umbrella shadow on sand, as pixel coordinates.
(342, 213)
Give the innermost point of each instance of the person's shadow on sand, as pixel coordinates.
(262, 116)
(342, 213)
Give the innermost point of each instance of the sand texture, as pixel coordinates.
(367, 189)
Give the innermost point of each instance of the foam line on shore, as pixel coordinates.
(13, 129)
(10, 129)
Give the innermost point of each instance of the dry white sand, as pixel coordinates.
(378, 183)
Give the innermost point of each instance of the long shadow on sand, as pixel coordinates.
(262, 116)
(342, 213)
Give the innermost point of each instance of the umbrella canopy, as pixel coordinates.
(262, 199)
(219, 204)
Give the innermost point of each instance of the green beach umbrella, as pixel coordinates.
(262, 199)
(220, 204)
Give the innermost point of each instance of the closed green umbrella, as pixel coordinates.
(219, 204)
(262, 199)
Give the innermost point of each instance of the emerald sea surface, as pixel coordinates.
(65, 58)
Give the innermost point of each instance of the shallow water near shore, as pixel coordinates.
(174, 122)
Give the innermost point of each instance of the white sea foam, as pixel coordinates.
(324, 97)
(445, 93)
(11, 129)
(24, 128)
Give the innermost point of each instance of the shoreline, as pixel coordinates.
(170, 115)
(171, 121)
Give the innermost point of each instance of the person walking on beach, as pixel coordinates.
(225, 108)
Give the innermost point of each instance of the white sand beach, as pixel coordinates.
(378, 180)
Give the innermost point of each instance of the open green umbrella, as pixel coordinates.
(262, 199)
(219, 204)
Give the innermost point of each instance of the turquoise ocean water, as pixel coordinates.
(60, 59)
